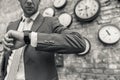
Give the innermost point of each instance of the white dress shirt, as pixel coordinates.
(25, 24)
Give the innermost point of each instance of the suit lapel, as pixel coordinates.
(37, 23)
(15, 25)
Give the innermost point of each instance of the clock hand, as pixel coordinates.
(58, 1)
(80, 9)
(85, 7)
(86, 10)
(108, 32)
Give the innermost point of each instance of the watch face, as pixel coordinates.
(109, 34)
(59, 3)
(65, 19)
(86, 9)
(49, 12)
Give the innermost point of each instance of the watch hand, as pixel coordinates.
(108, 32)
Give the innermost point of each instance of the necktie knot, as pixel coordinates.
(28, 20)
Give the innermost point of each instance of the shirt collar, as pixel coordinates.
(33, 17)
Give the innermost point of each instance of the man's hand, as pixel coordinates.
(13, 40)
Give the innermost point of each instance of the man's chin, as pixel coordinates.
(29, 13)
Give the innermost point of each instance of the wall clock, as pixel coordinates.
(65, 19)
(88, 47)
(59, 3)
(109, 34)
(87, 10)
(49, 12)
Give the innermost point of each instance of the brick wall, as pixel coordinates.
(102, 63)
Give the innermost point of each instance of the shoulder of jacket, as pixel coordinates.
(12, 22)
(51, 18)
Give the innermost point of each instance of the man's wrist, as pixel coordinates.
(33, 37)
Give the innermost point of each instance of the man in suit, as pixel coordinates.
(42, 37)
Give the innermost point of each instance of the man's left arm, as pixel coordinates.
(61, 40)
(63, 43)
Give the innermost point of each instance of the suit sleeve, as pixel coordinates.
(61, 40)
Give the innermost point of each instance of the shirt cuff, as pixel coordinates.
(33, 39)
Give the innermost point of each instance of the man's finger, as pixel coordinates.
(16, 35)
(7, 44)
(6, 38)
(6, 48)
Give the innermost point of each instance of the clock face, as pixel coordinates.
(88, 47)
(49, 12)
(59, 3)
(87, 10)
(65, 19)
(109, 34)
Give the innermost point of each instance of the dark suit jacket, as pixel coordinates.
(52, 37)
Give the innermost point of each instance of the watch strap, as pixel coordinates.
(27, 37)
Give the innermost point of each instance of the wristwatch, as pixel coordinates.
(27, 37)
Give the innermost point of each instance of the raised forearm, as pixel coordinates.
(61, 43)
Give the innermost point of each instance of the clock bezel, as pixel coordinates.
(107, 26)
(60, 6)
(81, 54)
(91, 18)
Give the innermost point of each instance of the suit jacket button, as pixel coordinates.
(46, 41)
(52, 42)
